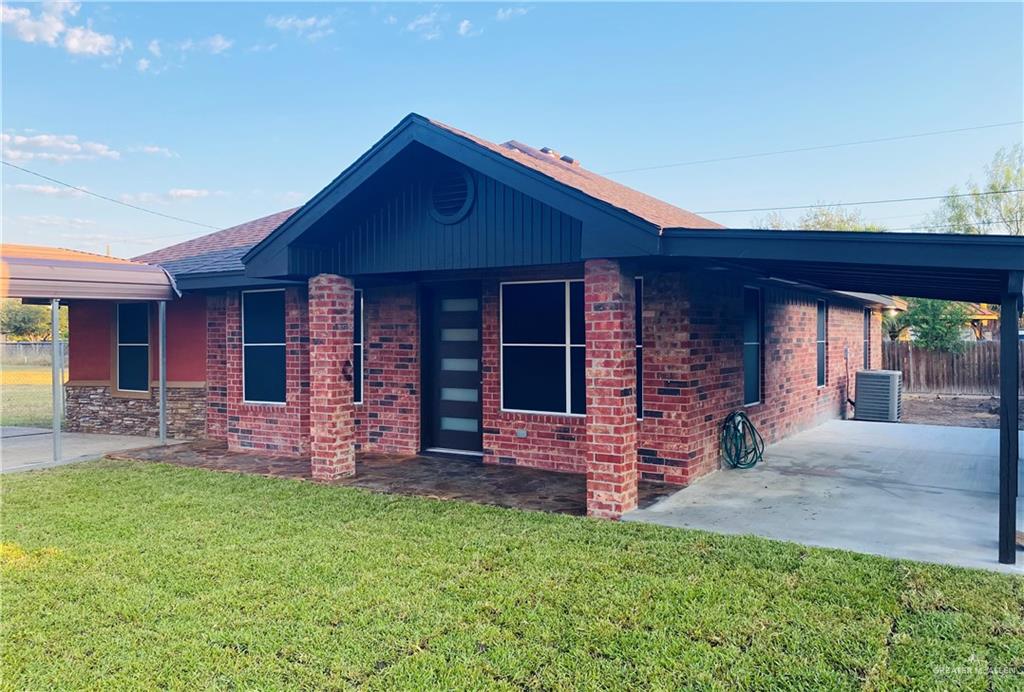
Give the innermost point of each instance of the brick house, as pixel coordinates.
(453, 296)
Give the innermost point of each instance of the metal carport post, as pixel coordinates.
(1009, 413)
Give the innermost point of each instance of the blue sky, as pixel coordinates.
(226, 112)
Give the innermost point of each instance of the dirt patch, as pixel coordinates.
(953, 409)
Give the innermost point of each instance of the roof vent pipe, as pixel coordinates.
(549, 151)
(570, 160)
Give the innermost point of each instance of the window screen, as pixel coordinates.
(357, 348)
(752, 345)
(263, 346)
(133, 347)
(639, 321)
(822, 342)
(543, 347)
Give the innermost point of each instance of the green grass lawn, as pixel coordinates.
(122, 574)
(26, 395)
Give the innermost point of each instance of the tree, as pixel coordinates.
(20, 322)
(895, 324)
(820, 219)
(990, 207)
(938, 325)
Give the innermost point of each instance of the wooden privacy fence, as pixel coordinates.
(975, 371)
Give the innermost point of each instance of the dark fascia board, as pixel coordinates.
(607, 225)
(949, 251)
(227, 280)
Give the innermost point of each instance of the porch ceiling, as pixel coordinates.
(923, 265)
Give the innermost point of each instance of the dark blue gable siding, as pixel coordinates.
(392, 230)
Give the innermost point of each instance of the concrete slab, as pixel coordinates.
(921, 492)
(26, 449)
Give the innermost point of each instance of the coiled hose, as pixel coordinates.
(742, 445)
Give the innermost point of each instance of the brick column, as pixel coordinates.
(611, 437)
(331, 422)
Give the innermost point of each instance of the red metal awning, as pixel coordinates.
(36, 272)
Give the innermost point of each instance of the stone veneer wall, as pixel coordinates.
(91, 409)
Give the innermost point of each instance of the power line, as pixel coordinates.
(878, 140)
(853, 204)
(108, 199)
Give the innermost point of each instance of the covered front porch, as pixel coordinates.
(409, 474)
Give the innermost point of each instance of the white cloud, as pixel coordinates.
(187, 193)
(154, 48)
(50, 24)
(262, 47)
(466, 29)
(46, 27)
(506, 13)
(142, 65)
(215, 44)
(47, 190)
(82, 40)
(311, 28)
(58, 148)
(158, 151)
(391, 19)
(426, 25)
(52, 220)
(218, 44)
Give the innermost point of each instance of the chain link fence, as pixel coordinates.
(26, 384)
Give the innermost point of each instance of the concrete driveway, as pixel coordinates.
(26, 449)
(922, 492)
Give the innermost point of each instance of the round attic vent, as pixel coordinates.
(451, 196)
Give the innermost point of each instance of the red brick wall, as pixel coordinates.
(388, 420)
(279, 429)
(216, 367)
(331, 426)
(693, 368)
(611, 386)
(552, 442)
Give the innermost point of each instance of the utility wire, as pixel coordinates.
(852, 204)
(108, 199)
(878, 140)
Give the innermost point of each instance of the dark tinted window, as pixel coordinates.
(752, 346)
(263, 317)
(533, 313)
(263, 336)
(133, 323)
(578, 379)
(533, 378)
(577, 328)
(822, 341)
(133, 368)
(264, 374)
(133, 347)
(357, 349)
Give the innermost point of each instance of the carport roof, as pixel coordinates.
(36, 272)
(921, 265)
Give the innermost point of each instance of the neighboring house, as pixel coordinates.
(449, 295)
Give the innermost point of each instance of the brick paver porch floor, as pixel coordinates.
(448, 479)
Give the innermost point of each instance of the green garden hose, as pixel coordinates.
(742, 445)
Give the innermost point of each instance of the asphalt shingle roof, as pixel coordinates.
(222, 251)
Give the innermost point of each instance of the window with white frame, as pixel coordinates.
(752, 345)
(263, 346)
(357, 348)
(133, 347)
(639, 321)
(822, 342)
(543, 347)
